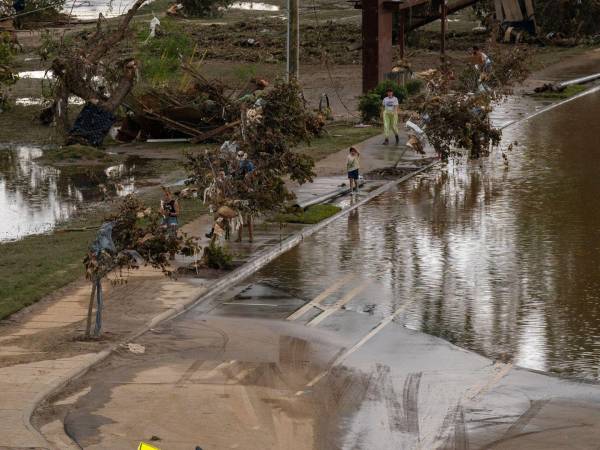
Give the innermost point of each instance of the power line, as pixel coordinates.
(319, 36)
(52, 5)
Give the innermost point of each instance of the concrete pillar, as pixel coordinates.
(402, 32)
(377, 42)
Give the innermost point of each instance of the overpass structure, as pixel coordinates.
(377, 26)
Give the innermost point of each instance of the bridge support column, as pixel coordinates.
(377, 42)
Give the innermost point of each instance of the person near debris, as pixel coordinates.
(483, 63)
(169, 208)
(390, 116)
(353, 166)
(246, 167)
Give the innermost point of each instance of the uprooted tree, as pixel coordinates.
(454, 108)
(93, 69)
(269, 127)
(131, 237)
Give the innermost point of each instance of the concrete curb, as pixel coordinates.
(219, 286)
(265, 257)
(57, 385)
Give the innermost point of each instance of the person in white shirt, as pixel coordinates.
(390, 116)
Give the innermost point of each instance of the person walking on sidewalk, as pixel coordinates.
(169, 208)
(353, 166)
(390, 116)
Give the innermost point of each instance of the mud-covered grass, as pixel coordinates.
(337, 138)
(37, 265)
(75, 154)
(569, 91)
(20, 124)
(311, 215)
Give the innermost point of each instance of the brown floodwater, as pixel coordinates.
(35, 197)
(500, 259)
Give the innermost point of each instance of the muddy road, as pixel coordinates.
(347, 341)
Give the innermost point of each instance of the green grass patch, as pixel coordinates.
(311, 215)
(336, 139)
(569, 91)
(35, 266)
(161, 56)
(75, 154)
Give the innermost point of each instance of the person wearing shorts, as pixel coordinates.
(353, 166)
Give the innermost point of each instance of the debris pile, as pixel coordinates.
(454, 109)
(245, 176)
(264, 40)
(208, 111)
(205, 111)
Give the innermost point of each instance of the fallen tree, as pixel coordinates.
(93, 69)
(454, 109)
(132, 237)
(269, 127)
(205, 111)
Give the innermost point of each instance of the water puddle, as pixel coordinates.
(254, 6)
(36, 75)
(34, 198)
(90, 9)
(38, 101)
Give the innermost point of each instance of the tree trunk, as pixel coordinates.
(88, 327)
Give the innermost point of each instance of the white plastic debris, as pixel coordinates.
(413, 126)
(154, 27)
(138, 349)
(230, 147)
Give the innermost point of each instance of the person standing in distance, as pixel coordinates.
(390, 116)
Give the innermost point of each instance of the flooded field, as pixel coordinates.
(35, 197)
(89, 9)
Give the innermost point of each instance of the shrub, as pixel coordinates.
(399, 91)
(369, 106)
(217, 257)
(413, 86)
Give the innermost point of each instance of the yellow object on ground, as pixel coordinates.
(390, 123)
(144, 446)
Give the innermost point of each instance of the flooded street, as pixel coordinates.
(336, 344)
(502, 260)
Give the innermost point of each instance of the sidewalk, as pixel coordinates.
(39, 349)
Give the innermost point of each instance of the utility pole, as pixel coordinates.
(402, 32)
(444, 16)
(293, 39)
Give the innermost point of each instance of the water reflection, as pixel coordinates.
(90, 9)
(254, 6)
(501, 260)
(35, 197)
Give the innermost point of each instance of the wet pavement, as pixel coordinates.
(336, 344)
